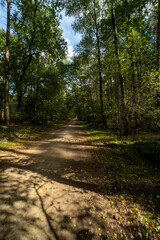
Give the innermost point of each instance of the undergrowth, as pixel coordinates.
(130, 168)
(21, 134)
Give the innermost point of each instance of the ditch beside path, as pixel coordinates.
(51, 191)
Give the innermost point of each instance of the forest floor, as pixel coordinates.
(66, 187)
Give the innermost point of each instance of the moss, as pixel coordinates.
(129, 167)
(20, 134)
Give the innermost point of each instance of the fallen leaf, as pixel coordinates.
(94, 208)
(115, 235)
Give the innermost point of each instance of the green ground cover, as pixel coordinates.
(19, 135)
(131, 169)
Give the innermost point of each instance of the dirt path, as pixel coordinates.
(47, 192)
(50, 191)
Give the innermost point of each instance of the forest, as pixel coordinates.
(108, 91)
(113, 77)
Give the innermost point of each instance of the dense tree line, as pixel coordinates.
(114, 77)
(116, 69)
(33, 63)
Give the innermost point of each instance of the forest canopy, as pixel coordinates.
(113, 78)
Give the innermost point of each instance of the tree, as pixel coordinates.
(6, 104)
(38, 36)
(2, 72)
(37, 61)
(158, 40)
(121, 82)
(122, 35)
(88, 16)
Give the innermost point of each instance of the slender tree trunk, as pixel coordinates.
(122, 103)
(134, 99)
(158, 41)
(27, 64)
(101, 91)
(20, 96)
(99, 66)
(2, 110)
(6, 108)
(90, 91)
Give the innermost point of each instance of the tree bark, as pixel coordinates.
(26, 65)
(158, 41)
(20, 95)
(99, 66)
(2, 109)
(121, 82)
(6, 108)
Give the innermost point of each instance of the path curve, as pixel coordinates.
(51, 192)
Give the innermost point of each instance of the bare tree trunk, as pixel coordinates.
(37, 87)
(2, 110)
(158, 41)
(99, 66)
(7, 66)
(27, 64)
(20, 95)
(122, 103)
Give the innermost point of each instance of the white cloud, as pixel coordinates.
(70, 51)
(67, 40)
(69, 35)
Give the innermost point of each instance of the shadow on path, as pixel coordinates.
(52, 192)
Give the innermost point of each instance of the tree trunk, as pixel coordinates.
(7, 66)
(99, 66)
(122, 103)
(20, 96)
(158, 41)
(2, 110)
(27, 64)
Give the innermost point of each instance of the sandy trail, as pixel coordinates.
(50, 191)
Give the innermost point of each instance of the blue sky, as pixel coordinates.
(3, 17)
(69, 35)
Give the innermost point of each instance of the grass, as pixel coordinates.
(130, 169)
(100, 133)
(19, 135)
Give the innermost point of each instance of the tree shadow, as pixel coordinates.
(53, 192)
(37, 208)
(132, 170)
(46, 215)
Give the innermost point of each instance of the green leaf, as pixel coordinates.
(94, 208)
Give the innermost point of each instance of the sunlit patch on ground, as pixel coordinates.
(53, 192)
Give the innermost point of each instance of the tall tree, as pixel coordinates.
(2, 64)
(121, 82)
(6, 107)
(37, 33)
(98, 43)
(88, 17)
(158, 40)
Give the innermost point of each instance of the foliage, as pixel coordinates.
(137, 63)
(129, 170)
(37, 63)
(18, 135)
